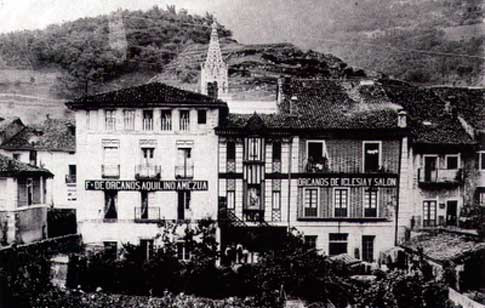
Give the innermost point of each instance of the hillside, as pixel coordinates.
(254, 69)
(383, 35)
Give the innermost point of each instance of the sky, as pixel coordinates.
(252, 21)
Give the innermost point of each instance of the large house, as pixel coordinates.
(146, 155)
(331, 163)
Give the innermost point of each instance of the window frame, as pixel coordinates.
(280, 146)
(317, 201)
(436, 208)
(132, 112)
(324, 147)
(231, 205)
(347, 197)
(458, 161)
(364, 197)
(170, 122)
(338, 241)
(199, 111)
(278, 203)
(232, 158)
(113, 115)
(105, 210)
(481, 160)
(310, 239)
(184, 111)
(364, 143)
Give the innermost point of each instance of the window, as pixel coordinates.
(276, 151)
(147, 156)
(184, 167)
(30, 191)
(16, 156)
(429, 213)
(201, 116)
(231, 199)
(110, 204)
(311, 202)
(253, 149)
(368, 248)
(110, 119)
(144, 205)
(212, 89)
(481, 161)
(310, 241)
(254, 197)
(231, 150)
(129, 119)
(372, 156)
(111, 249)
(370, 203)
(166, 120)
(147, 248)
(341, 197)
(111, 158)
(452, 162)
(316, 156)
(183, 251)
(183, 203)
(481, 198)
(71, 176)
(337, 243)
(276, 200)
(147, 120)
(33, 158)
(91, 119)
(184, 123)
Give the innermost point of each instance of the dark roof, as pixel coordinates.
(429, 119)
(6, 121)
(468, 103)
(144, 96)
(444, 246)
(12, 168)
(51, 135)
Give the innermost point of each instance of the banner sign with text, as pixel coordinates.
(120, 185)
(349, 181)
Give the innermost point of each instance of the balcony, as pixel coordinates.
(184, 171)
(110, 171)
(147, 215)
(253, 215)
(439, 178)
(149, 171)
(70, 179)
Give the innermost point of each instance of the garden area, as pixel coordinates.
(292, 271)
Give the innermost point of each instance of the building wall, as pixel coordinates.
(89, 140)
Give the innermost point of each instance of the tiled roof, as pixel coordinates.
(444, 246)
(429, 120)
(148, 95)
(52, 135)
(13, 167)
(5, 121)
(469, 103)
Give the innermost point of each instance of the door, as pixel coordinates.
(429, 168)
(451, 213)
(368, 248)
(429, 213)
(183, 204)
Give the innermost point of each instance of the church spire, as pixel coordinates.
(214, 73)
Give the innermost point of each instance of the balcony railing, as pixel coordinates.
(310, 212)
(110, 171)
(184, 171)
(253, 215)
(149, 171)
(147, 124)
(184, 124)
(166, 124)
(70, 179)
(148, 214)
(440, 176)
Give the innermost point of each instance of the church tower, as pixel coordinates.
(214, 73)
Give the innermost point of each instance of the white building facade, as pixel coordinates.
(146, 155)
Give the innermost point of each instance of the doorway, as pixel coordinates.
(429, 168)
(183, 204)
(451, 213)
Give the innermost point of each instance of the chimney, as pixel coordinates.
(293, 102)
(402, 119)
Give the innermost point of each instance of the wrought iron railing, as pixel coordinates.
(148, 171)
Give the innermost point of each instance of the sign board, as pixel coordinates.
(349, 181)
(130, 185)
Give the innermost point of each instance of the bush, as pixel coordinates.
(61, 222)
